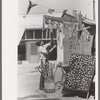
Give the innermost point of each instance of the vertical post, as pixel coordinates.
(82, 46)
(87, 96)
(25, 34)
(43, 22)
(93, 9)
(43, 26)
(42, 34)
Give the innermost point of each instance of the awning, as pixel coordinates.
(65, 18)
(91, 24)
(69, 18)
(89, 21)
(57, 19)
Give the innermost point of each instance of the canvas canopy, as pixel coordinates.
(91, 24)
(58, 19)
(69, 18)
(65, 18)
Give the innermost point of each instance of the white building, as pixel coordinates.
(30, 30)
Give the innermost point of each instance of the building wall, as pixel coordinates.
(31, 52)
(21, 52)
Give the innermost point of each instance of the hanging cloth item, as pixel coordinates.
(86, 35)
(51, 11)
(30, 6)
(79, 34)
(44, 22)
(64, 12)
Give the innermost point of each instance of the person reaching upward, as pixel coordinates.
(44, 50)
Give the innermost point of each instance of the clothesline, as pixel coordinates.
(61, 10)
(53, 10)
(84, 5)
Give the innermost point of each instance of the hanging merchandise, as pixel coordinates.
(46, 21)
(50, 26)
(64, 12)
(91, 24)
(74, 41)
(70, 38)
(86, 36)
(79, 34)
(72, 30)
(92, 31)
(30, 6)
(53, 23)
(58, 38)
(51, 11)
(47, 31)
(70, 41)
(75, 27)
(76, 35)
(70, 33)
(43, 22)
(85, 33)
(80, 26)
(58, 25)
(58, 32)
(61, 37)
(81, 31)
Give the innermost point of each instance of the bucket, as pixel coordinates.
(49, 86)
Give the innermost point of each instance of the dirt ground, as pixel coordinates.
(28, 85)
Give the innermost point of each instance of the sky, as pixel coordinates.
(85, 6)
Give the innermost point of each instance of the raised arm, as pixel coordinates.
(50, 44)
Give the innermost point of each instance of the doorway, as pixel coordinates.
(21, 52)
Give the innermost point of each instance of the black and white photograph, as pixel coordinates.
(56, 50)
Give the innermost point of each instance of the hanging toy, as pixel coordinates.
(46, 21)
(88, 37)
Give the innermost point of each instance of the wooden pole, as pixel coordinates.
(87, 96)
(93, 9)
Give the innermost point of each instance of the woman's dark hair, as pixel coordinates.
(38, 43)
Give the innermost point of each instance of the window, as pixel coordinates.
(44, 34)
(29, 34)
(38, 34)
(55, 33)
